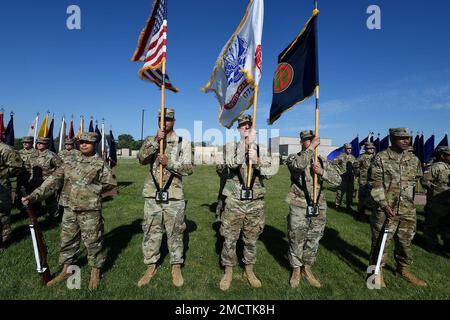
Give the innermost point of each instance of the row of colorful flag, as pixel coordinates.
(105, 144)
(424, 150)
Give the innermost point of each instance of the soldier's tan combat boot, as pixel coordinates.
(148, 275)
(408, 276)
(95, 279)
(250, 276)
(60, 277)
(226, 280)
(295, 278)
(177, 277)
(310, 277)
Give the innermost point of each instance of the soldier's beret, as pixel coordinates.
(307, 134)
(399, 132)
(168, 113)
(244, 118)
(445, 150)
(347, 146)
(43, 140)
(69, 141)
(90, 137)
(369, 145)
(28, 139)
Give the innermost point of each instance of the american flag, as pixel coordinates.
(152, 48)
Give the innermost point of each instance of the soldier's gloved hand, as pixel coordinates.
(388, 211)
(160, 135)
(25, 201)
(317, 169)
(162, 158)
(253, 155)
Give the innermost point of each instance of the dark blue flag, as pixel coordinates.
(51, 143)
(363, 141)
(9, 132)
(99, 139)
(297, 74)
(420, 148)
(416, 145)
(384, 143)
(428, 149)
(112, 154)
(335, 153)
(91, 126)
(444, 142)
(377, 144)
(355, 147)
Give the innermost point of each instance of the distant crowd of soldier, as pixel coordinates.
(387, 183)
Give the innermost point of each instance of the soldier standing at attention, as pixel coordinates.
(437, 183)
(83, 180)
(345, 163)
(11, 165)
(69, 150)
(394, 175)
(244, 205)
(361, 169)
(304, 229)
(164, 208)
(28, 155)
(42, 167)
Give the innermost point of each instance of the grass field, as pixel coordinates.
(341, 262)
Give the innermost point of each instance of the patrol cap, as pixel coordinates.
(168, 113)
(90, 137)
(399, 132)
(244, 118)
(43, 140)
(306, 135)
(69, 141)
(445, 150)
(348, 146)
(369, 145)
(28, 139)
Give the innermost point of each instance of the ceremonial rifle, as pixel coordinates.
(39, 247)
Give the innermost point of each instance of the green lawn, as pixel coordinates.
(341, 263)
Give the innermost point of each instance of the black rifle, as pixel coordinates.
(39, 247)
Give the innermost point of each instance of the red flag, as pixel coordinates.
(71, 131)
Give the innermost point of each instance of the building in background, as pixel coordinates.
(289, 145)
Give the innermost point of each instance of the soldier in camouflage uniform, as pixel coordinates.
(11, 165)
(361, 170)
(83, 179)
(69, 149)
(345, 163)
(304, 231)
(168, 216)
(222, 172)
(393, 177)
(437, 183)
(28, 155)
(42, 167)
(243, 214)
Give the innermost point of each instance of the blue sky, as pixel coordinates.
(370, 79)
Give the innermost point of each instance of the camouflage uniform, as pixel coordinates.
(345, 162)
(361, 169)
(168, 217)
(304, 233)
(392, 180)
(44, 165)
(222, 172)
(245, 215)
(437, 183)
(83, 180)
(24, 185)
(11, 165)
(65, 155)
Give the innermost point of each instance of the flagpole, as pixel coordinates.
(103, 138)
(36, 130)
(61, 134)
(255, 105)
(161, 120)
(316, 129)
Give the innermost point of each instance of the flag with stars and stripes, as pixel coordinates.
(152, 47)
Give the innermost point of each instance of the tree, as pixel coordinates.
(125, 141)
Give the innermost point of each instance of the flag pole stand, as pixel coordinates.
(255, 105)
(161, 120)
(316, 151)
